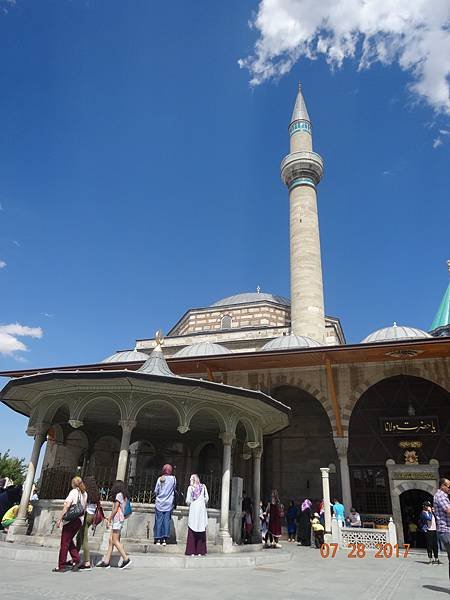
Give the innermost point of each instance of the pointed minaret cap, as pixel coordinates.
(442, 318)
(156, 363)
(300, 112)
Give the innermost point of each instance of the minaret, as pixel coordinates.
(301, 171)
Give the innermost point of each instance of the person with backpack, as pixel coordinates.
(165, 489)
(196, 498)
(92, 517)
(71, 514)
(121, 509)
(427, 524)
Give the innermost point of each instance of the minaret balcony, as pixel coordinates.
(302, 165)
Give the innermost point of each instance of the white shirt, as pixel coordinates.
(198, 515)
(73, 496)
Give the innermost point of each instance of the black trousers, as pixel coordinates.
(432, 544)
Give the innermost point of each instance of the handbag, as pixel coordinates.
(75, 510)
(99, 517)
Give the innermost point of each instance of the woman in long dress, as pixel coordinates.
(197, 499)
(304, 524)
(274, 513)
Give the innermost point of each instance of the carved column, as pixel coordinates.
(224, 533)
(341, 444)
(127, 428)
(20, 524)
(326, 498)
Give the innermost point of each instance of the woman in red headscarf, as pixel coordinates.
(164, 492)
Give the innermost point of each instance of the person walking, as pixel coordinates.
(304, 524)
(441, 504)
(262, 522)
(291, 520)
(428, 527)
(274, 513)
(165, 493)
(318, 530)
(93, 504)
(196, 498)
(73, 509)
(116, 519)
(339, 512)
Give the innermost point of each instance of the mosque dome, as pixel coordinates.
(125, 356)
(285, 342)
(202, 349)
(250, 297)
(395, 333)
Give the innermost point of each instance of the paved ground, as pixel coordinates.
(306, 575)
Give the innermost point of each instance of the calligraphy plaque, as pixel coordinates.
(413, 475)
(409, 426)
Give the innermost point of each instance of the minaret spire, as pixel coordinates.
(441, 322)
(301, 171)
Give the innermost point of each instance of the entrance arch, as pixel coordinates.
(411, 502)
(294, 456)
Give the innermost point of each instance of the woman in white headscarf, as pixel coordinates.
(197, 499)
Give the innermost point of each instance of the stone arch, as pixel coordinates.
(223, 419)
(52, 409)
(81, 407)
(253, 432)
(381, 375)
(310, 436)
(164, 400)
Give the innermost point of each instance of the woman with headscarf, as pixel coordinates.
(274, 513)
(304, 524)
(197, 499)
(165, 493)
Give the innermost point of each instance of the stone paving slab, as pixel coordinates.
(306, 576)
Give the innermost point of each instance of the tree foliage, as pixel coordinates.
(12, 467)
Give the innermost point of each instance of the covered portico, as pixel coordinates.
(120, 424)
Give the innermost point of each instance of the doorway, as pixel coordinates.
(411, 506)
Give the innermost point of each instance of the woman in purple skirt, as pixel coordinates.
(196, 498)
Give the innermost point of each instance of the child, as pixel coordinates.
(318, 530)
(262, 523)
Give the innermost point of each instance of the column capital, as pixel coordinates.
(341, 444)
(253, 445)
(38, 429)
(257, 452)
(75, 423)
(227, 438)
(325, 472)
(127, 425)
(182, 429)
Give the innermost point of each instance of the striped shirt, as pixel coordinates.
(441, 505)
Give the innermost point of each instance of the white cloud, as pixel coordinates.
(415, 34)
(16, 243)
(2, 264)
(440, 138)
(10, 334)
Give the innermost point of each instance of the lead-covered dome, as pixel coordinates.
(202, 349)
(251, 297)
(126, 356)
(286, 342)
(395, 333)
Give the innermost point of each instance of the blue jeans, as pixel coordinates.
(444, 538)
(162, 524)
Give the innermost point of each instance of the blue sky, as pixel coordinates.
(139, 176)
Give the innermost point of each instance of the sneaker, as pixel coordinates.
(125, 563)
(85, 567)
(277, 545)
(158, 542)
(430, 561)
(164, 543)
(437, 562)
(103, 565)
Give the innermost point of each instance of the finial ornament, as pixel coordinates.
(299, 86)
(448, 266)
(159, 338)
(258, 290)
(395, 323)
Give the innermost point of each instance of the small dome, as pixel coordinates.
(285, 342)
(125, 356)
(252, 297)
(395, 333)
(202, 349)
